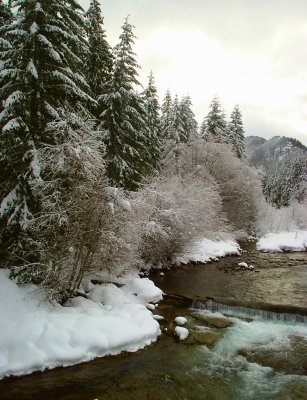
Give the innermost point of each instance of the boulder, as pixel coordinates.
(216, 322)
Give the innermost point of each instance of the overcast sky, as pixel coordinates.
(250, 52)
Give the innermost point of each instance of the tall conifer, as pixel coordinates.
(124, 118)
(39, 82)
(214, 127)
(166, 115)
(152, 107)
(236, 132)
(189, 124)
(100, 59)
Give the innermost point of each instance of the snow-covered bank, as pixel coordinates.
(36, 335)
(205, 250)
(284, 241)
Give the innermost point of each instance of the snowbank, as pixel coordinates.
(206, 250)
(284, 241)
(36, 335)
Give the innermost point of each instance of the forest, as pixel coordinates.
(96, 175)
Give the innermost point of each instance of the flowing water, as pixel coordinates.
(248, 340)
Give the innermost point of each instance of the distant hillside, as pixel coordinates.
(261, 152)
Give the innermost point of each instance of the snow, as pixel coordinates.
(158, 317)
(205, 250)
(34, 28)
(244, 265)
(36, 334)
(183, 333)
(12, 124)
(32, 69)
(13, 98)
(284, 241)
(180, 320)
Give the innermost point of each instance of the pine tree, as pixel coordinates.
(215, 126)
(189, 123)
(127, 138)
(152, 107)
(39, 80)
(236, 132)
(100, 59)
(166, 115)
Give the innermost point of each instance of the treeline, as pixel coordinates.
(282, 162)
(94, 175)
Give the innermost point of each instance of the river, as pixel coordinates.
(259, 353)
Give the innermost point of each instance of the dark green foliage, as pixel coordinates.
(127, 138)
(5, 14)
(214, 126)
(285, 181)
(152, 107)
(176, 132)
(236, 132)
(39, 79)
(100, 59)
(189, 124)
(166, 115)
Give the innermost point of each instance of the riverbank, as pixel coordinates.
(36, 335)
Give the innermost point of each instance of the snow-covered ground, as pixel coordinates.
(284, 241)
(35, 335)
(205, 250)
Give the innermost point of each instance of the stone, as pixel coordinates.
(292, 360)
(216, 322)
(206, 338)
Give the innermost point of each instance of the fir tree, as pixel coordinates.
(189, 124)
(215, 126)
(166, 115)
(127, 138)
(39, 79)
(202, 129)
(236, 132)
(177, 131)
(152, 107)
(100, 58)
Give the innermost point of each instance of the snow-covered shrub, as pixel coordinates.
(276, 220)
(120, 234)
(182, 208)
(65, 232)
(239, 185)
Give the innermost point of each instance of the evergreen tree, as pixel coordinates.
(189, 123)
(177, 131)
(39, 79)
(215, 126)
(202, 129)
(236, 132)
(166, 115)
(100, 59)
(127, 138)
(152, 107)
(285, 181)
